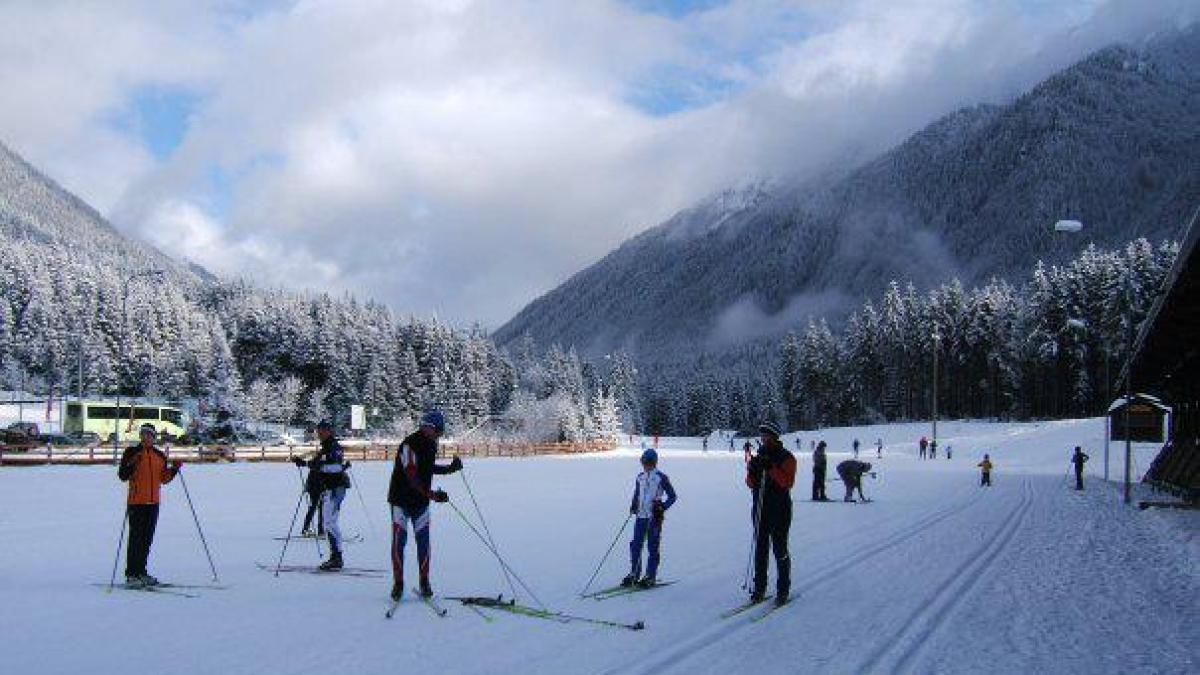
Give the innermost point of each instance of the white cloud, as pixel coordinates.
(460, 158)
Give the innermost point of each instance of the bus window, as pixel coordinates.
(143, 413)
(74, 409)
(101, 412)
(173, 416)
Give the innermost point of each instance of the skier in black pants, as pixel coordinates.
(819, 463)
(312, 487)
(409, 495)
(770, 475)
(851, 472)
(1079, 459)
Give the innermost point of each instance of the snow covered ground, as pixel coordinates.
(937, 575)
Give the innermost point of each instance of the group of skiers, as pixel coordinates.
(770, 476)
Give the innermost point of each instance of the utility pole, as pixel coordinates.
(937, 343)
(1128, 381)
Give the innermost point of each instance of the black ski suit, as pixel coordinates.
(776, 467)
(1079, 459)
(818, 486)
(851, 471)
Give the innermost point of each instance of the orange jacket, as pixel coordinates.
(146, 471)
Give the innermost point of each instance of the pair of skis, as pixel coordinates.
(617, 591)
(511, 606)
(365, 572)
(428, 600)
(179, 590)
(752, 604)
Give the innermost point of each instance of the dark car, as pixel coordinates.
(84, 438)
(58, 440)
(23, 431)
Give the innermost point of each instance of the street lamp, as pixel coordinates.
(156, 273)
(937, 343)
(1072, 227)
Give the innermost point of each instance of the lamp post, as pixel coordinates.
(937, 343)
(124, 321)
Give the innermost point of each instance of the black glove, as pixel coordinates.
(633, 510)
(346, 464)
(298, 462)
(440, 496)
(456, 464)
(757, 464)
(658, 510)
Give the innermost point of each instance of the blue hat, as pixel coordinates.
(650, 457)
(435, 419)
(769, 428)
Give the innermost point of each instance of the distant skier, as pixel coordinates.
(312, 487)
(731, 442)
(819, 464)
(747, 448)
(879, 448)
(146, 469)
(652, 496)
(924, 447)
(851, 472)
(330, 465)
(985, 471)
(933, 449)
(770, 475)
(410, 492)
(949, 452)
(856, 448)
(1079, 459)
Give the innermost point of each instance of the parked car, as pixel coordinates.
(23, 432)
(84, 438)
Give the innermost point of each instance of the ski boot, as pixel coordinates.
(781, 597)
(147, 580)
(333, 564)
(757, 595)
(426, 589)
(646, 582)
(134, 581)
(308, 534)
(629, 580)
(397, 591)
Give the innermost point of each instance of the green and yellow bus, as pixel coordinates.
(101, 417)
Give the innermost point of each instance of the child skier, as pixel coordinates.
(985, 468)
(649, 506)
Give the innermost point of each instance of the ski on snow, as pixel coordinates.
(366, 572)
(352, 539)
(159, 590)
(618, 591)
(432, 603)
(513, 607)
(744, 607)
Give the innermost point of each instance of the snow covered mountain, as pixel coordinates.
(1111, 141)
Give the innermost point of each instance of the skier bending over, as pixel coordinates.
(985, 471)
(819, 464)
(330, 465)
(145, 468)
(770, 475)
(409, 495)
(649, 505)
(851, 472)
(1079, 459)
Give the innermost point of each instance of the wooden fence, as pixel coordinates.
(355, 452)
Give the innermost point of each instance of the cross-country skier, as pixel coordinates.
(652, 496)
(985, 471)
(330, 464)
(770, 475)
(933, 449)
(879, 448)
(923, 445)
(411, 491)
(1079, 459)
(312, 487)
(856, 448)
(851, 472)
(146, 469)
(819, 464)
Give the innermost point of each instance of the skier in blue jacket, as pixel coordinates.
(653, 494)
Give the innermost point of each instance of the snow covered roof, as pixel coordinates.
(1140, 398)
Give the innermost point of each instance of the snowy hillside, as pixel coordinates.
(1110, 141)
(937, 575)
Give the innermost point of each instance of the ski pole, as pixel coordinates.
(606, 554)
(362, 502)
(500, 558)
(288, 538)
(200, 530)
(316, 507)
(762, 488)
(112, 581)
(486, 529)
